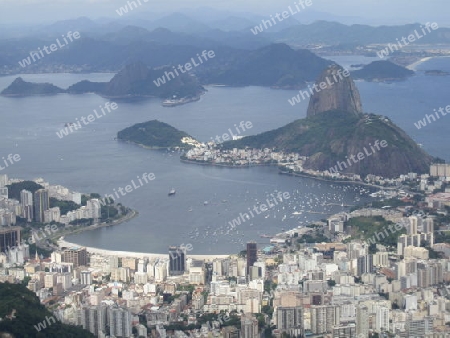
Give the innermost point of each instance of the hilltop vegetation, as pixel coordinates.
(15, 188)
(331, 136)
(366, 228)
(153, 134)
(21, 310)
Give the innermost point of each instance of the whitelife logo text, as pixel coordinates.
(37, 55)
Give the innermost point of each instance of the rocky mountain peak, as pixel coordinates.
(335, 90)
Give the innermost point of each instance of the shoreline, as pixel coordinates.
(227, 165)
(281, 172)
(127, 217)
(414, 65)
(106, 252)
(149, 147)
(336, 181)
(61, 242)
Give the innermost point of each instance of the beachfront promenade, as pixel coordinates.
(63, 243)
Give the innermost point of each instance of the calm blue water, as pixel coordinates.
(90, 160)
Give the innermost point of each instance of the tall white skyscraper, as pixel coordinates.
(3, 180)
(26, 201)
(413, 225)
(382, 319)
(362, 321)
(119, 322)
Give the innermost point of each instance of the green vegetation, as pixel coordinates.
(15, 188)
(21, 310)
(392, 202)
(45, 253)
(328, 137)
(269, 286)
(315, 236)
(109, 212)
(442, 237)
(154, 134)
(442, 219)
(433, 254)
(87, 197)
(298, 135)
(188, 287)
(242, 253)
(367, 228)
(64, 206)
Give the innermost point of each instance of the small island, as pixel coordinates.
(382, 71)
(134, 81)
(435, 72)
(19, 87)
(157, 135)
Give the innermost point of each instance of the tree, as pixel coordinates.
(331, 283)
(26, 280)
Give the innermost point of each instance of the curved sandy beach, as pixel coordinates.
(63, 243)
(414, 65)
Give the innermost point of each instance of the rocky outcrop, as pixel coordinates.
(335, 90)
(337, 137)
(135, 80)
(125, 81)
(382, 71)
(19, 87)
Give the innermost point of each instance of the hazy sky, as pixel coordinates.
(370, 11)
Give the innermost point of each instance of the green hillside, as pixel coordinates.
(331, 136)
(21, 311)
(153, 134)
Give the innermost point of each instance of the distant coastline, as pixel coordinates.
(281, 172)
(228, 165)
(68, 230)
(335, 181)
(414, 65)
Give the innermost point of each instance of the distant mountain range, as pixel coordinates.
(276, 65)
(334, 33)
(175, 38)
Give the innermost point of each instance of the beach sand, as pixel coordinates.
(63, 243)
(414, 65)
